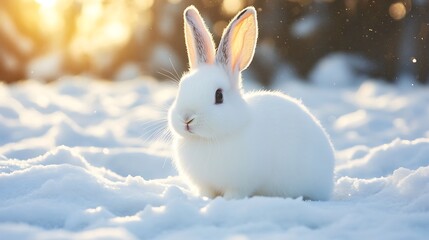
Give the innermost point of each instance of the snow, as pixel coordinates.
(87, 159)
(340, 69)
(48, 66)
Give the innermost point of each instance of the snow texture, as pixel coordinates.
(85, 159)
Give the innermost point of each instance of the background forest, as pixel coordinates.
(112, 39)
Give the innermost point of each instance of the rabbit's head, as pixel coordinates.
(209, 103)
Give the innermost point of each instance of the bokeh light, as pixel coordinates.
(47, 3)
(231, 7)
(397, 10)
(103, 38)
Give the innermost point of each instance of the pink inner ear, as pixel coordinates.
(198, 39)
(242, 41)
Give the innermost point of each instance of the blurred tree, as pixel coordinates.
(16, 41)
(116, 39)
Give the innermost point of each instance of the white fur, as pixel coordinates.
(259, 143)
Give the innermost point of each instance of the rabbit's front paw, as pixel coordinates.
(208, 192)
(233, 194)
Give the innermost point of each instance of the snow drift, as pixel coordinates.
(84, 159)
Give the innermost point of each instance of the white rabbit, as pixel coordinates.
(234, 144)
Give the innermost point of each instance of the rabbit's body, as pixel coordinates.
(236, 145)
(258, 160)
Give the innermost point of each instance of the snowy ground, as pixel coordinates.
(79, 160)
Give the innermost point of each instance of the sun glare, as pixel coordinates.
(49, 16)
(116, 32)
(46, 3)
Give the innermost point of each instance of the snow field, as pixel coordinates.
(85, 159)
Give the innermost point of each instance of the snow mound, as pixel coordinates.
(85, 159)
(339, 69)
(383, 160)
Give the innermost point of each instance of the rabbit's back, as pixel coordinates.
(296, 150)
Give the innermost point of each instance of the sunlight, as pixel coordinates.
(231, 7)
(144, 4)
(160, 209)
(51, 19)
(126, 219)
(102, 29)
(94, 210)
(46, 3)
(117, 32)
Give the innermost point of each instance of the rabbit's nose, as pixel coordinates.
(188, 118)
(187, 122)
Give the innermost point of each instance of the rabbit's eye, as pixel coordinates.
(219, 96)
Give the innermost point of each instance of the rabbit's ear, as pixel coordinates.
(199, 42)
(238, 43)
